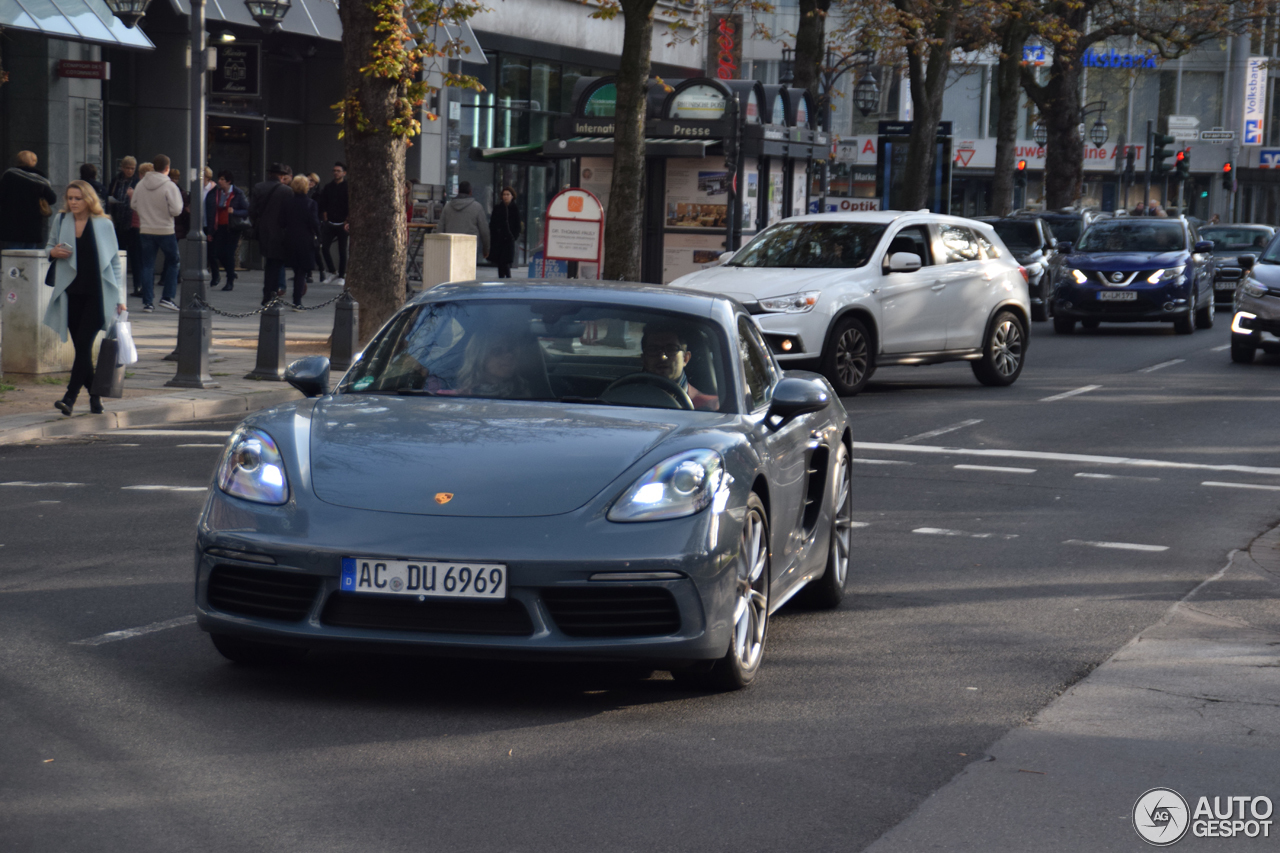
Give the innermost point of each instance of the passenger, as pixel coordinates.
(492, 365)
(665, 352)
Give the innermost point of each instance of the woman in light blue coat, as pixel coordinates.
(87, 280)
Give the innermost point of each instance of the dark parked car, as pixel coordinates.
(1033, 244)
(1255, 320)
(1230, 243)
(490, 479)
(1134, 270)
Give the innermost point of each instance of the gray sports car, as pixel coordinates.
(549, 469)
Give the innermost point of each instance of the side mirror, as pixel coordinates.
(724, 256)
(794, 397)
(1064, 248)
(309, 375)
(1203, 247)
(904, 262)
(1245, 262)
(1053, 244)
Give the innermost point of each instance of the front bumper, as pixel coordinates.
(1258, 319)
(1150, 303)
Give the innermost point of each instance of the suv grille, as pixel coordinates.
(612, 611)
(265, 593)
(347, 610)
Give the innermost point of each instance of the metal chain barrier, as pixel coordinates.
(275, 301)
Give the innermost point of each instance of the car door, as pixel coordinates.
(912, 317)
(782, 449)
(970, 282)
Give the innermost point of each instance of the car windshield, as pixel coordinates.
(1236, 239)
(809, 245)
(570, 352)
(1018, 235)
(1143, 236)
(1066, 228)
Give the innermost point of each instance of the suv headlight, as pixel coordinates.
(1251, 287)
(252, 469)
(681, 485)
(1080, 277)
(1172, 274)
(792, 303)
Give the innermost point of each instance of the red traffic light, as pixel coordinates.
(1182, 155)
(1022, 166)
(1226, 168)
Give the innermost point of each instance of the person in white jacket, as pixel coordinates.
(157, 200)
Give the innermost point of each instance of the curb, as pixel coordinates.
(171, 411)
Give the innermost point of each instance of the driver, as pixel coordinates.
(665, 352)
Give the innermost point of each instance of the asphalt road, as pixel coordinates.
(987, 579)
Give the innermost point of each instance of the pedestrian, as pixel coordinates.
(225, 201)
(157, 201)
(465, 215)
(504, 232)
(1214, 220)
(88, 282)
(300, 222)
(181, 222)
(335, 228)
(207, 185)
(265, 202)
(117, 201)
(89, 174)
(313, 193)
(25, 199)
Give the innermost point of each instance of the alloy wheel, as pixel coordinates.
(751, 614)
(1006, 348)
(842, 539)
(851, 356)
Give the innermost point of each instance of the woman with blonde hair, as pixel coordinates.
(493, 363)
(87, 279)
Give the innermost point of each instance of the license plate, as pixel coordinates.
(424, 578)
(1224, 285)
(1117, 295)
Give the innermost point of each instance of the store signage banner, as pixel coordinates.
(1255, 100)
(724, 47)
(237, 71)
(84, 69)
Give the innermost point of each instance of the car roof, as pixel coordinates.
(878, 217)
(1257, 226)
(631, 294)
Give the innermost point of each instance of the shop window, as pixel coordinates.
(568, 79)
(513, 82)
(1202, 97)
(544, 86)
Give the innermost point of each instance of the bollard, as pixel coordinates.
(189, 291)
(271, 356)
(346, 332)
(195, 331)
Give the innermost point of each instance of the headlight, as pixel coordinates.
(675, 487)
(1251, 287)
(792, 303)
(252, 469)
(1080, 277)
(1169, 275)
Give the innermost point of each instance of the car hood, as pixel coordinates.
(1267, 275)
(496, 458)
(1108, 261)
(750, 284)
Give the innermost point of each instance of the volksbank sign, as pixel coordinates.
(1118, 60)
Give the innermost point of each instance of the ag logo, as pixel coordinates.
(443, 498)
(1160, 817)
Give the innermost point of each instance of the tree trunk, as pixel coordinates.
(928, 83)
(811, 43)
(375, 162)
(1009, 87)
(624, 220)
(1059, 105)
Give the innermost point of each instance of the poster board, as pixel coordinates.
(697, 194)
(683, 253)
(774, 192)
(574, 229)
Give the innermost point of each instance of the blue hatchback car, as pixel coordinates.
(1136, 270)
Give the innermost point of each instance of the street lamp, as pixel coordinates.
(268, 13)
(1098, 133)
(787, 67)
(130, 12)
(1040, 133)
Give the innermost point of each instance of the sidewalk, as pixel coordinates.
(1192, 704)
(26, 403)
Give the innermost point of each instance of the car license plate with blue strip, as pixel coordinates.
(1117, 295)
(424, 578)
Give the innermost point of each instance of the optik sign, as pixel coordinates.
(1255, 100)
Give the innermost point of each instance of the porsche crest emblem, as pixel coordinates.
(443, 498)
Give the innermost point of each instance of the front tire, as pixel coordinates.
(1242, 349)
(849, 361)
(1185, 324)
(1003, 352)
(828, 591)
(1204, 317)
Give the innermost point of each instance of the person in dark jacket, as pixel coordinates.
(504, 232)
(464, 215)
(265, 203)
(221, 203)
(301, 226)
(25, 200)
(117, 202)
(181, 222)
(333, 212)
(89, 174)
(313, 193)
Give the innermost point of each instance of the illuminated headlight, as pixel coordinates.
(792, 303)
(1242, 316)
(1080, 277)
(675, 487)
(1251, 287)
(252, 469)
(1166, 276)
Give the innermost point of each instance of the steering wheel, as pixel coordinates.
(667, 386)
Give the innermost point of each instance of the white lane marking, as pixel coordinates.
(1085, 390)
(936, 432)
(1153, 368)
(165, 488)
(995, 468)
(125, 444)
(1117, 477)
(128, 633)
(1120, 546)
(1241, 486)
(882, 462)
(38, 485)
(48, 502)
(218, 433)
(942, 531)
(1222, 348)
(200, 445)
(1061, 457)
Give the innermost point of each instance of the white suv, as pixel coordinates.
(864, 290)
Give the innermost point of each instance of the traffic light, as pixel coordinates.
(1020, 175)
(1184, 164)
(1159, 153)
(1130, 158)
(1229, 177)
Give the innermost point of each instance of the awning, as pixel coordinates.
(314, 18)
(73, 20)
(602, 146)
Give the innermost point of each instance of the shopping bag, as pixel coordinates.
(108, 378)
(128, 353)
